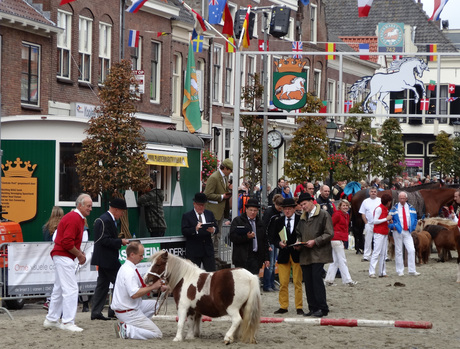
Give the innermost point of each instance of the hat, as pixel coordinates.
(305, 196)
(200, 198)
(228, 164)
(118, 203)
(252, 203)
(289, 202)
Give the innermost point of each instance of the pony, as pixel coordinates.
(234, 292)
(297, 84)
(422, 244)
(401, 75)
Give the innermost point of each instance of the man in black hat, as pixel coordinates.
(250, 245)
(198, 226)
(284, 236)
(105, 255)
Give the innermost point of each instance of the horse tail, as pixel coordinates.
(358, 87)
(251, 313)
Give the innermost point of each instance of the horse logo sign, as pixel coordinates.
(289, 84)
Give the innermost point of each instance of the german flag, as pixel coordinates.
(433, 48)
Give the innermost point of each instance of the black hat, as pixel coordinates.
(200, 198)
(252, 203)
(289, 202)
(305, 196)
(118, 203)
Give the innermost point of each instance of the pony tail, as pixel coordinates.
(251, 313)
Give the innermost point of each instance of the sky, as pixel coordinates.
(450, 12)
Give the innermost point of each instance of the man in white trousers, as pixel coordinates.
(133, 312)
(367, 212)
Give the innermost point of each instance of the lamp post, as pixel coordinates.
(331, 130)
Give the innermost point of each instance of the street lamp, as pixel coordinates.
(331, 130)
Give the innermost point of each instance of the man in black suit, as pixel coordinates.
(199, 247)
(105, 255)
(288, 257)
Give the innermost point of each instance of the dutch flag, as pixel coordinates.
(133, 40)
(135, 6)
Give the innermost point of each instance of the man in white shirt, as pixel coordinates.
(367, 212)
(133, 312)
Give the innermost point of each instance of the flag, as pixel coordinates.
(363, 49)
(191, 103)
(63, 2)
(162, 34)
(262, 45)
(305, 2)
(451, 88)
(347, 106)
(397, 57)
(246, 40)
(200, 27)
(133, 39)
(399, 105)
(229, 47)
(432, 48)
(451, 99)
(271, 107)
(136, 6)
(330, 47)
(424, 104)
(438, 7)
(215, 10)
(364, 7)
(228, 21)
(297, 46)
(432, 85)
(198, 44)
(323, 108)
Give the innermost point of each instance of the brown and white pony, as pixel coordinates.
(233, 292)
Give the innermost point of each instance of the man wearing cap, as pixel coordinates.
(218, 192)
(199, 247)
(314, 234)
(250, 245)
(288, 257)
(105, 255)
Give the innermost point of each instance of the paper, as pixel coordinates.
(299, 243)
(282, 234)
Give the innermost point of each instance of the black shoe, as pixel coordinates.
(319, 313)
(281, 311)
(300, 312)
(269, 290)
(85, 308)
(99, 317)
(310, 313)
(358, 252)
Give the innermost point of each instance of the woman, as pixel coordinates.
(381, 220)
(286, 192)
(340, 221)
(50, 227)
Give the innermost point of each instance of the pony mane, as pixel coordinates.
(177, 268)
(396, 65)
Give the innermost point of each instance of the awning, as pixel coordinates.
(165, 155)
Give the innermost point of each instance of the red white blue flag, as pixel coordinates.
(438, 7)
(136, 6)
(297, 46)
(364, 7)
(200, 27)
(133, 39)
(364, 51)
(347, 106)
(451, 99)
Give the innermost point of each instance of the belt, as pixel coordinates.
(123, 311)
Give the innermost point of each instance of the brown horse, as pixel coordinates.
(422, 244)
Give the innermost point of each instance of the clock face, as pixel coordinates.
(275, 139)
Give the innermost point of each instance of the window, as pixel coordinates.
(84, 48)
(227, 142)
(217, 73)
(331, 97)
(176, 92)
(442, 104)
(313, 23)
(430, 147)
(105, 39)
(64, 20)
(317, 83)
(200, 81)
(415, 148)
(30, 70)
(155, 72)
(136, 56)
(69, 184)
(163, 180)
(251, 70)
(228, 89)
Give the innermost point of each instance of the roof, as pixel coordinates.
(181, 138)
(342, 20)
(22, 9)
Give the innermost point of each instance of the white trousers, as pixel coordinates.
(340, 262)
(404, 240)
(138, 323)
(379, 254)
(64, 299)
(369, 234)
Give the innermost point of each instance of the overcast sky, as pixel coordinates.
(450, 12)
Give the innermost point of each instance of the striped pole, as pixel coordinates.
(320, 321)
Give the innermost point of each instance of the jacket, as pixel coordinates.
(215, 188)
(381, 228)
(154, 213)
(285, 253)
(106, 243)
(397, 224)
(340, 221)
(197, 245)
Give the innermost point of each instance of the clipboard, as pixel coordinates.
(300, 243)
(242, 229)
(207, 225)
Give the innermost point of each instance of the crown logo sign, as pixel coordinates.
(21, 169)
(289, 65)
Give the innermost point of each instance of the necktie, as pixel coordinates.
(254, 241)
(288, 226)
(404, 219)
(116, 225)
(140, 278)
(200, 219)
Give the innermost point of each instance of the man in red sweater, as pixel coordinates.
(64, 299)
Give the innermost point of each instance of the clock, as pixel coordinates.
(275, 139)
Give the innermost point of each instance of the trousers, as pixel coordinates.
(138, 323)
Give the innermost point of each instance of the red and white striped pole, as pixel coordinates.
(321, 321)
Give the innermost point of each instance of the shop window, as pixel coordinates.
(415, 148)
(69, 184)
(162, 174)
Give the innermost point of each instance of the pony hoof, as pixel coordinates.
(176, 339)
(228, 341)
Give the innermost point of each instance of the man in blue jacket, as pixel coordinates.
(404, 222)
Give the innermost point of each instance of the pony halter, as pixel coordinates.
(160, 276)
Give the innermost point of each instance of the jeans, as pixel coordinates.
(269, 273)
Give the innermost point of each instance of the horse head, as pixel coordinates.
(421, 67)
(158, 268)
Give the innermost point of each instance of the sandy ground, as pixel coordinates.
(433, 296)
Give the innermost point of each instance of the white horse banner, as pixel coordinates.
(289, 84)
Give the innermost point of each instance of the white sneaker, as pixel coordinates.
(372, 276)
(352, 283)
(400, 274)
(328, 283)
(71, 327)
(48, 324)
(415, 273)
(120, 330)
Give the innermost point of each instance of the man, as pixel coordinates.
(250, 245)
(64, 299)
(288, 257)
(105, 255)
(367, 213)
(301, 188)
(314, 230)
(454, 210)
(277, 190)
(324, 201)
(132, 312)
(152, 201)
(218, 193)
(199, 248)
(404, 218)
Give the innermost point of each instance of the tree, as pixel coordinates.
(444, 150)
(456, 159)
(112, 159)
(306, 156)
(392, 150)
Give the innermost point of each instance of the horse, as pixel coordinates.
(422, 244)
(401, 75)
(234, 292)
(297, 85)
